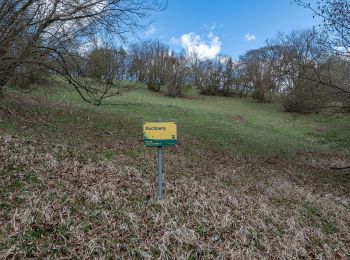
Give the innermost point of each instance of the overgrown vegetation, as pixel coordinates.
(76, 182)
(246, 180)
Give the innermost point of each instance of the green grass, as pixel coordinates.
(239, 125)
(313, 214)
(77, 182)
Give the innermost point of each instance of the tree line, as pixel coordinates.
(296, 69)
(305, 71)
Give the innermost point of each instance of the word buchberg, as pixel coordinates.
(156, 128)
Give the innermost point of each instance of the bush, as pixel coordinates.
(153, 86)
(25, 79)
(304, 100)
(173, 90)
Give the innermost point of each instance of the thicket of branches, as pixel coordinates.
(306, 71)
(40, 37)
(296, 69)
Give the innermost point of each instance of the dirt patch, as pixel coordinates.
(190, 98)
(320, 130)
(237, 118)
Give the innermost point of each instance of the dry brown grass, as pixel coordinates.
(64, 208)
(69, 190)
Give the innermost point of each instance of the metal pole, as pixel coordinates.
(160, 173)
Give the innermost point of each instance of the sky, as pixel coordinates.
(228, 27)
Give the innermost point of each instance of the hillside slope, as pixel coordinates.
(77, 182)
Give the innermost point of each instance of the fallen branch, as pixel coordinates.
(340, 168)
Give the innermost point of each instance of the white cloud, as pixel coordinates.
(249, 37)
(151, 30)
(208, 48)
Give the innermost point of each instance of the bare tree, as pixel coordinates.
(149, 63)
(177, 74)
(122, 63)
(102, 65)
(258, 73)
(335, 15)
(211, 76)
(228, 83)
(137, 56)
(335, 42)
(242, 83)
(50, 34)
(195, 66)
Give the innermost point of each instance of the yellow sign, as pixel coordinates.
(159, 133)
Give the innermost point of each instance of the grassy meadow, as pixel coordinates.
(240, 125)
(247, 181)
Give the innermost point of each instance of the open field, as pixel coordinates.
(247, 180)
(239, 125)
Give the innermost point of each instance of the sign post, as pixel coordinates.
(159, 134)
(160, 173)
